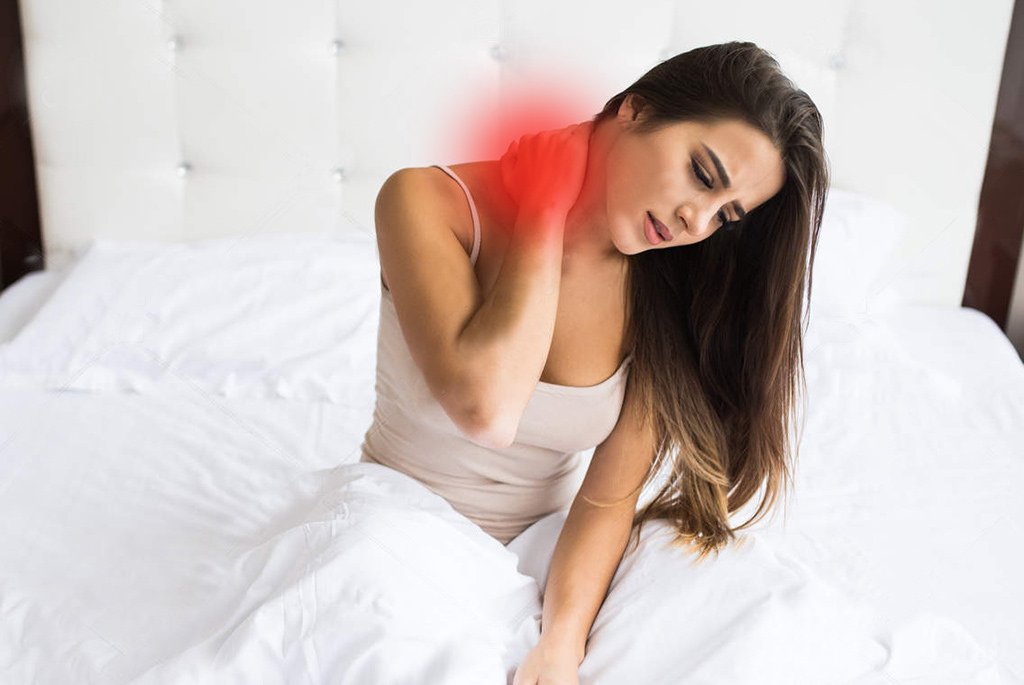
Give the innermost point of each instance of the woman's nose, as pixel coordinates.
(698, 221)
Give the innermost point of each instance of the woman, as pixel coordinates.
(669, 237)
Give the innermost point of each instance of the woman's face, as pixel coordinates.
(673, 174)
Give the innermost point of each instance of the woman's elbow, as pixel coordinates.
(481, 418)
(488, 425)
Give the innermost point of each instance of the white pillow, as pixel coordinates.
(22, 299)
(858, 238)
(286, 315)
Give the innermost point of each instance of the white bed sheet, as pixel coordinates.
(182, 535)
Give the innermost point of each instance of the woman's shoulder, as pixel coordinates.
(429, 186)
(478, 178)
(432, 184)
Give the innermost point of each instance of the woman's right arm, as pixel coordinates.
(477, 353)
(482, 355)
(512, 330)
(510, 334)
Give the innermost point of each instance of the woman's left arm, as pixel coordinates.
(597, 530)
(586, 556)
(585, 559)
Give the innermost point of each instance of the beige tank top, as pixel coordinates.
(501, 490)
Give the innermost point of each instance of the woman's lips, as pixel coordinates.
(658, 229)
(662, 228)
(650, 232)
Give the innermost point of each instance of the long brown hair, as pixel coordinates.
(732, 316)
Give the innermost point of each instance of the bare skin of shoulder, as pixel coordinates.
(588, 344)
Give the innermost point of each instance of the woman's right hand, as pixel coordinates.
(544, 171)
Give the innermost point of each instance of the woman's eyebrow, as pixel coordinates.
(725, 178)
(718, 165)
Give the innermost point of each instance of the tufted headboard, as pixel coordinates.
(181, 119)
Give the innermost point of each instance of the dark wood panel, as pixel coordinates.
(1000, 228)
(21, 248)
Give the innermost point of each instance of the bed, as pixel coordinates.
(182, 404)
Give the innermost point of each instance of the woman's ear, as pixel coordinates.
(629, 110)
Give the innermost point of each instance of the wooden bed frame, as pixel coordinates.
(994, 256)
(995, 253)
(21, 239)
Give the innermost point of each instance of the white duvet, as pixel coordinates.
(158, 524)
(179, 539)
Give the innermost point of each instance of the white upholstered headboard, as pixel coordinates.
(181, 119)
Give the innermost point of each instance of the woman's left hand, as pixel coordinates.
(547, 665)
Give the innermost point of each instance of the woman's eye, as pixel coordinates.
(699, 173)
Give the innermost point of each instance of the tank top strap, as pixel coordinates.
(472, 209)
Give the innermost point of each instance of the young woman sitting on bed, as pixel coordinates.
(725, 153)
